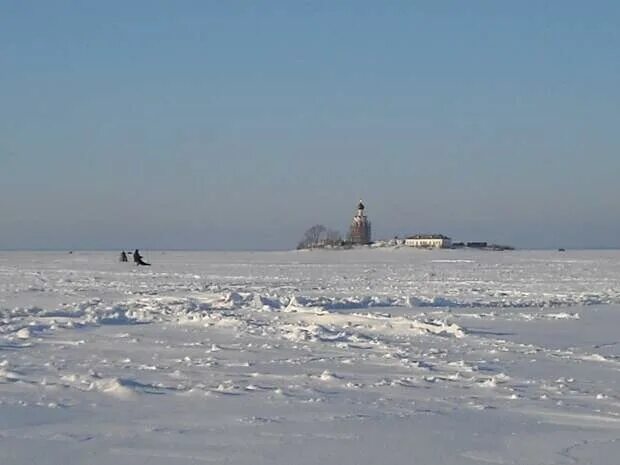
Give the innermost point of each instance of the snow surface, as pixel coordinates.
(352, 357)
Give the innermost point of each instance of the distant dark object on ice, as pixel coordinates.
(137, 258)
(123, 257)
(499, 248)
(561, 250)
(481, 246)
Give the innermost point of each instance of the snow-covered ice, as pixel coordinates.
(352, 357)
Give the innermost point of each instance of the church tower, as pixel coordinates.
(360, 227)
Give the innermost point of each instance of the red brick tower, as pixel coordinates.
(360, 227)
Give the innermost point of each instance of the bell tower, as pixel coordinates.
(360, 226)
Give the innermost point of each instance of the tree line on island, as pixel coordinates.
(320, 236)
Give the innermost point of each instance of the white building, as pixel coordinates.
(429, 241)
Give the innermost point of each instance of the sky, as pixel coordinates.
(239, 124)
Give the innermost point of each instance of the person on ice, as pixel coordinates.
(137, 258)
(123, 256)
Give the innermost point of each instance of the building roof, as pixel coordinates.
(428, 236)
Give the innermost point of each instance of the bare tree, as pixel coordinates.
(319, 236)
(312, 237)
(333, 237)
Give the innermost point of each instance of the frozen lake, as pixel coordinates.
(352, 357)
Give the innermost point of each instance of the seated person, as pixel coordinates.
(137, 258)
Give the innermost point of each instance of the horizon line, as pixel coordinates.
(67, 250)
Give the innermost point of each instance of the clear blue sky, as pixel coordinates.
(238, 124)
